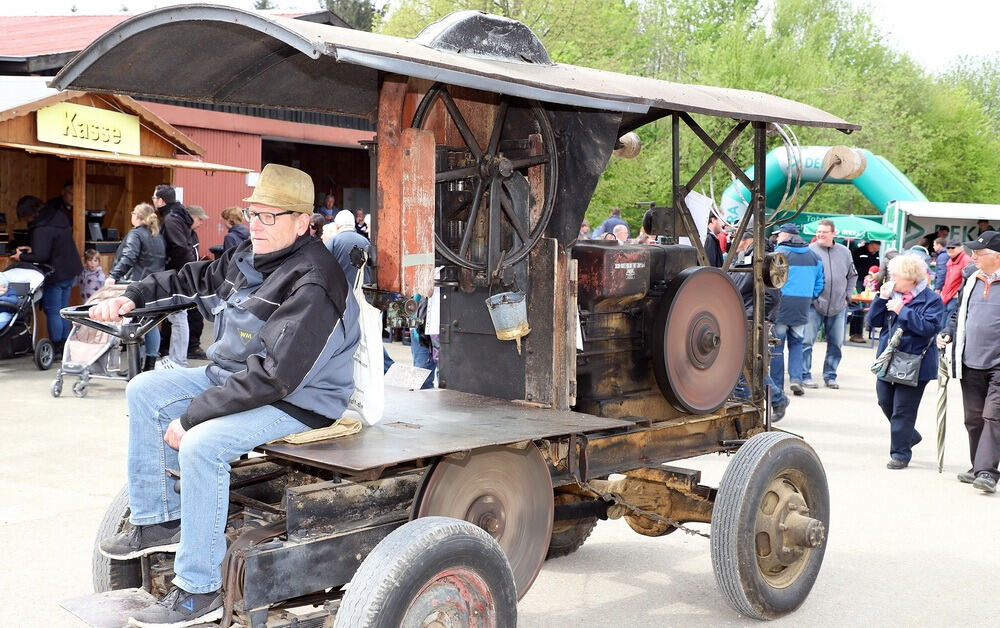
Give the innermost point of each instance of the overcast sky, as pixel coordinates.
(932, 32)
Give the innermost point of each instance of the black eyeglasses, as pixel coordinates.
(266, 218)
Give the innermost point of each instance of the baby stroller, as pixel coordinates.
(91, 353)
(105, 350)
(20, 334)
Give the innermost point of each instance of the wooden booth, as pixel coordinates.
(110, 149)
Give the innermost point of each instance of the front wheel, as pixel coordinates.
(432, 571)
(108, 574)
(769, 525)
(45, 353)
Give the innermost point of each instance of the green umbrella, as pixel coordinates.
(854, 227)
(944, 368)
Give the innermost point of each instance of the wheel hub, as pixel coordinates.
(456, 597)
(488, 513)
(784, 533)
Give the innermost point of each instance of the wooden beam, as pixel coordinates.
(79, 202)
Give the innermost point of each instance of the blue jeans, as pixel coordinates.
(793, 334)
(55, 296)
(386, 360)
(422, 358)
(155, 398)
(899, 404)
(180, 333)
(151, 343)
(742, 390)
(834, 326)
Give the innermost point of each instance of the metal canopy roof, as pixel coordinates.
(253, 59)
(961, 211)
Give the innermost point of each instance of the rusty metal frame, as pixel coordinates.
(756, 365)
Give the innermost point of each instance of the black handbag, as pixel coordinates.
(904, 368)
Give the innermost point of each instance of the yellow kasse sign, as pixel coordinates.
(88, 127)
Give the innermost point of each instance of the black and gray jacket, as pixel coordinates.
(139, 255)
(286, 328)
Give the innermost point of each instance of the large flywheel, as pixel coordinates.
(699, 340)
(495, 180)
(505, 491)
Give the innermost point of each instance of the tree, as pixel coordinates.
(361, 14)
(263, 5)
(942, 132)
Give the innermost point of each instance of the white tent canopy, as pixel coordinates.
(957, 211)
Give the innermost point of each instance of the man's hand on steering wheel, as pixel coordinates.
(112, 310)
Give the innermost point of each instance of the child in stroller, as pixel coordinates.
(20, 291)
(92, 353)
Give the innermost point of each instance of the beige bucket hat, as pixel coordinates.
(197, 211)
(284, 188)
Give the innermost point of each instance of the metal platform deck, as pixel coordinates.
(430, 423)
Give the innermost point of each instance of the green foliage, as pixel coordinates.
(361, 14)
(263, 5)
(940, 131)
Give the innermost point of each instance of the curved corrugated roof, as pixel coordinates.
(278, 62)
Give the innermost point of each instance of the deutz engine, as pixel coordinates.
(661, 336)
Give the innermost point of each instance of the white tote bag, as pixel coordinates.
(368, 399)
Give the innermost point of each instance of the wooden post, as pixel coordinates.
(417, 220)
(389, 212)
(79, 202)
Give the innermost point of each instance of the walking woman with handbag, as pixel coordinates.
(909, 315)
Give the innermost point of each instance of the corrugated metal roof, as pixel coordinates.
(27, 36)
(277, 62)
(32, 35)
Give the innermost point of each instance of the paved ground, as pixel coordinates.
(906, 547)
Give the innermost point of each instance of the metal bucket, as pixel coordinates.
(509, 313)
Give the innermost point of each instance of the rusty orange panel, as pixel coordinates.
(417, 253)
(388, 197)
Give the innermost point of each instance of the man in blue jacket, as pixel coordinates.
(805, 283)
(282, 363)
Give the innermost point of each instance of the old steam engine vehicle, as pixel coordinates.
(485, 159)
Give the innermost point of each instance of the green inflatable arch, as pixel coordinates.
(880, 182)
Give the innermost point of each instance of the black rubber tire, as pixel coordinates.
(760, 460)
(111, 575)
(392, 575)
(44, 354)
(567, 541)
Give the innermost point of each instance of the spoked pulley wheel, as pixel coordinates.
(505, 491)
(699, 340)
(495, 184)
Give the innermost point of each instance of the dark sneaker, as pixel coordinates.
(809, 383)
(797, 389)
(197, 353)
(178, 608)
(141, 540)
(895, 465)
(778, 413)
(967, 477)
(985, 482)
(831, 383)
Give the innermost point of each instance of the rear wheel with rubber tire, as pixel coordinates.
(45, 354)
(108, 574)
(769, 525)
(432, 571)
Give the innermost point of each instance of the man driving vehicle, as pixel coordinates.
(286, 331)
